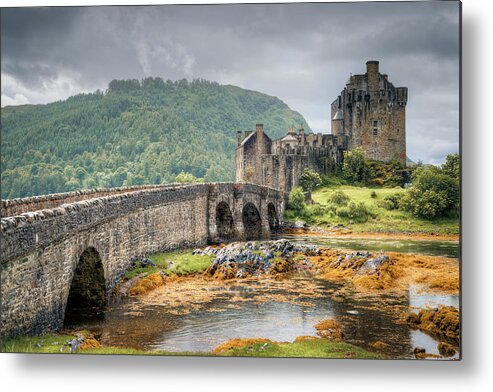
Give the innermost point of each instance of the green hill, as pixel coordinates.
(137, 132)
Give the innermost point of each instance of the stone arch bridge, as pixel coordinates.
(62, 250)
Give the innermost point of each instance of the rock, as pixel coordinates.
(258, 257)
(419, 350)
(140, 262)
(379, 345)
(370, 266)
(443, 320)
(75, 343)
(445, 349)
(299, 224)
(329, 329)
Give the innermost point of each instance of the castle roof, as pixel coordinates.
(338, 115)
(247, 138)
(289, 138)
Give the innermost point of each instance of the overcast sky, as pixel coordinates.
(301, 53)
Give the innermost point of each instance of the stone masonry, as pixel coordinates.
(41, 249)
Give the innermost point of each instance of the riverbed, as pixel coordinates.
(197, 315)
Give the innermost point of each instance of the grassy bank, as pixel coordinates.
(180, 262)
(312, 348)
(377, 219)
(303, 348)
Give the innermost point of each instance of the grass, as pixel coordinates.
(381, 219)
(35, 344)
(180, 262)
(314, 348)
(52, 343)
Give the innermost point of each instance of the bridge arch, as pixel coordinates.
(224, 221)
(87, 294)
(272, 216)
(252, 222)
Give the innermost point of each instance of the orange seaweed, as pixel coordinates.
(239, 342)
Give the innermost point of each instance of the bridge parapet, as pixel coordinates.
(12, 207)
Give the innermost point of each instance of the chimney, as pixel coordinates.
(373, 75)
(238, 136)
(259, 128)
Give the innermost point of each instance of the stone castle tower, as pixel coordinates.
(370, 113)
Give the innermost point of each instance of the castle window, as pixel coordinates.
(375, 127)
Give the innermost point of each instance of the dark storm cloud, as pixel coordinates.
(302, 53)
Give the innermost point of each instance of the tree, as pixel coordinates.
(296, 200)
(187, 178)
(433, 193)
(310, 180)
(452, 165)
(355, 166)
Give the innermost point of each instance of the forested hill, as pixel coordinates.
(137, 132)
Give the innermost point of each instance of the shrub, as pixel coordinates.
(296, 200)
(355, 167)
(310, 180)
(338, 198)
(343, 212)
(356, 211)
(434, 193)
(318, 210)
(334, 180)
(391, 202)
(377, 182)
(429, 205)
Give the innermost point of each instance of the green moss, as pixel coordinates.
(316, 348)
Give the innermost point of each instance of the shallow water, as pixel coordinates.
(198, 315)
(425, 247)
(255, 309)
